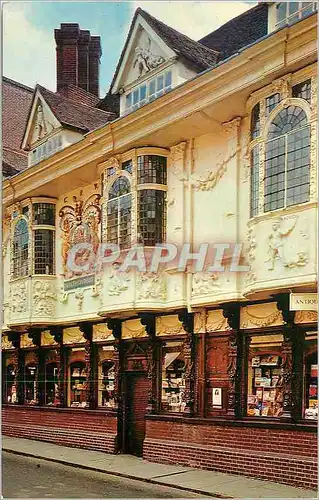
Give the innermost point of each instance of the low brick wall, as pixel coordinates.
(88, 429)
(283, 455)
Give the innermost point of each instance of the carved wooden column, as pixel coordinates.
(153, 362)
(289, 333)
(19, 358)
(35, 336)
(187, 320)
(90, 363)
(61, 361)
(115, 326)
(231, 312)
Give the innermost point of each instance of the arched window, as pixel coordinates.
(20, 249)
(119, 213)
(287, 159)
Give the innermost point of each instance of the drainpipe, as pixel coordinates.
(189, 218)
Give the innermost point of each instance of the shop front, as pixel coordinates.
(232, 389)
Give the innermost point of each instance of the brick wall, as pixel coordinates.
(283, 455)
(88, 429)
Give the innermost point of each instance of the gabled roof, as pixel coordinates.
(16, 102)
(79, 95)
(194, 54)
(238, 32)
(72, 114)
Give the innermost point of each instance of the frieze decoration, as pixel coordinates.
(216, 321)
(72, 335)
(47, 338)
(43, 298)
(277, 242)
(151, 286)
(250, 320)
(208, 180)
(133, 329)
(25, 341)
(19, 298)
(145, 60)
(79, 223)
(200, 322)
(118, 282)
(306, 317)
(204, 283)
(169, 325)
(5, 343)
(102, 332)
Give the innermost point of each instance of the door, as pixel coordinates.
(136, 403)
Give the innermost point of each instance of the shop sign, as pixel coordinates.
(303, 302)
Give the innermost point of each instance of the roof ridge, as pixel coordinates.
(17, 84)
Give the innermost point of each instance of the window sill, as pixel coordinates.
(282, 211)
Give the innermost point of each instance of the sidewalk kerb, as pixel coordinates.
(119, 474)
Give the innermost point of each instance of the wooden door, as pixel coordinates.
(137, 399)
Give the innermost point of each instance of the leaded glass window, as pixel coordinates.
(44, 214)
(255, 122)
(302, 90)
(271, 102)
(43, 251)
(20, 249)
(151, 217)
(254, 181)
(287, 160)
(151, 169)
(119, 213)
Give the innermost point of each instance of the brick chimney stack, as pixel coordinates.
(78, 58)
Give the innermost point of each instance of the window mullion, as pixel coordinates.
(286, 168)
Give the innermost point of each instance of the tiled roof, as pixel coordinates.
(79, 95)
(238, 32)
(16, 102)
(111, 102)
(73, 114)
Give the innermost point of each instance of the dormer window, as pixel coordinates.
(148, 91)
(290, 12)
(46, 149)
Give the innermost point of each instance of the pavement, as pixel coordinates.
(206, 483)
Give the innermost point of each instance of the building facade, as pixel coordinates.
(205, 367)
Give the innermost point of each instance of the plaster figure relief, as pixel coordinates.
(42, 126)
(19, 298)
(150, 286)
(278, 249)
(117, 282)
(145, 60)
(44, 298)
(204, 283)
(250, 276)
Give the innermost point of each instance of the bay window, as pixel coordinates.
(20, 249)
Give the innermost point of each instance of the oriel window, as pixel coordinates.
(119, 207)
(20, 249)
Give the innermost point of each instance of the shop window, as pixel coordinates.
(20, 249)
(265, 376)
(287, 160)
(311, 381)
(78, 385)
(173, 377)
(106, 384)
(51, 384)
(10, 394)
(119, 213)
(30, 384)
(302, 91)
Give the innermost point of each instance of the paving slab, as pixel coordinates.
(211, 483)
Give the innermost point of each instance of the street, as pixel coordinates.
(25, 477)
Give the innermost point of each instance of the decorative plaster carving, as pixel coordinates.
(204, 283)
(249, 320)
(145, 60)
(151, 286)
(79, 297)
(177, 153)
(43, 298)
(5, 343)
(313, 161)
(208, 180)
(169, 325)
(102, 332)
(19, 298)
(282, 86)
(47, 338)
(200, 322)
(25, 341)
(73, 335)
(42, 126)
(281, 228)
(232, 126)
(216, 321)
(133, 329)
(306, 317)
(313, 97)
(97, 288)
(118, 282)
(250, 276)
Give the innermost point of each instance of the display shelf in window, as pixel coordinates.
(78, 381)
(173, 382)
(107, 385)
(311, 387)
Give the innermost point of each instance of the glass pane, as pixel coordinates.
(152, 87)
(20, 249)
(51, 384)
(271, 103)
(265, 376)
(292, 7)
(311, 381)
(135, 96)
(112, 221)
(78, 392)
(173, 377)
(44, 213)
(274, 190)
(151, 217)
(281, 11)
(127, 166)
(298, 161)
(168, 79)
(10, 390)
(142, 92)
(151, 169)
(288, 119)
(106, 395)
(160, 82)
(120, 186)
(128, 100)
(125, 204)
(254, 182)
(43, 251)
(302, 90)
(30, 385)
(255, 122)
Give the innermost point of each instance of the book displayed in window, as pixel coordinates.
(107, 385)
(311, 387)
(173, 379)
(78, 382)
